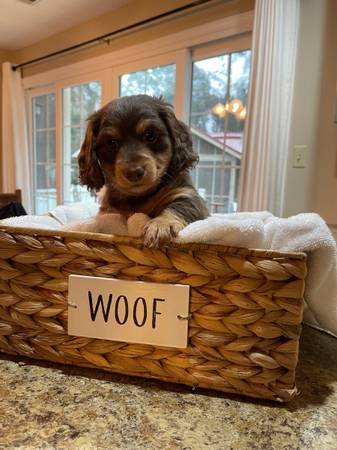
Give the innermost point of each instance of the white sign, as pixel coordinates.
(128, 311)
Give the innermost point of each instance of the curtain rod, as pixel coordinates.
(108, 36)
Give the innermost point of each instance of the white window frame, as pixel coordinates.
(175, 48)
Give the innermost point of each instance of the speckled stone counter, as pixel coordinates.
(46, 406)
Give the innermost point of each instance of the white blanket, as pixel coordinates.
(304, 233)
(66, 214)
(58, 218)
(29, 221)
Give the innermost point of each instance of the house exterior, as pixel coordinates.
(217, 175)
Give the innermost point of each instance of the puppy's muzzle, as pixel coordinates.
(134, 173)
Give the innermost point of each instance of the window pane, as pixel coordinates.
(51, 145)
(217, 118)
(153, 81)
(75, 102)
(51, 111)
(91, 97)
(78, 103)
(44, 160)
(41, 154)
(209, 87)
(205, 179)
(40, 112)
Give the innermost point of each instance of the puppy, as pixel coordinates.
(141, 153)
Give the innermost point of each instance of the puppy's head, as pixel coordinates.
(133, 144)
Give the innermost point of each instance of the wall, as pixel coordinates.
(314, 188)
(324, 185)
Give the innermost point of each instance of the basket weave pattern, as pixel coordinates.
(246, 308)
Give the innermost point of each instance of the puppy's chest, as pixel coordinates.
(127, 207)
(152, 205)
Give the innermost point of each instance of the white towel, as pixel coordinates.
(45, 222)
(237, 229)
(55, 219)
(74, 212)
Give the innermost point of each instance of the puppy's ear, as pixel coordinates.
(89, 170)
(184, 157)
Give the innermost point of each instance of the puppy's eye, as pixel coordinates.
(151, 136)
(113, 143)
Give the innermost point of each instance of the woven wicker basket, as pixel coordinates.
(246, 308)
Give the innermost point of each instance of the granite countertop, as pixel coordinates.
(48, 406)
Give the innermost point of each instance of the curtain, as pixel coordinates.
(16, 170)
(272, 80)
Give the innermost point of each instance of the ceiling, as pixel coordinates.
(22, 24)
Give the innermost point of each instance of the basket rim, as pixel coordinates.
(138, 243)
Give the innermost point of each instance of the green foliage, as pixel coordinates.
(158, 81)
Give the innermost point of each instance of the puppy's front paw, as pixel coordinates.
(161, 230)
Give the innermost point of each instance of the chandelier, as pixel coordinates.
(235, 107)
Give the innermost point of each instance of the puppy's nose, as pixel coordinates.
(134, 173)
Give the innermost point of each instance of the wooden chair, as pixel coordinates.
(8, 198)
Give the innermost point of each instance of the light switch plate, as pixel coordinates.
(300, 156)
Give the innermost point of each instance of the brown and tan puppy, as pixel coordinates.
(141, 153)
